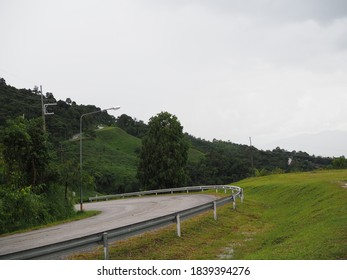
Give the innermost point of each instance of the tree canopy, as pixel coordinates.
(66, 119)
(24, 151)
(164, 154)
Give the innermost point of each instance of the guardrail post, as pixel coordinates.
(234, 202)
(178, 224)
(215, 210)
(105, 241)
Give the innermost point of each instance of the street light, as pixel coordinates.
(99, 111)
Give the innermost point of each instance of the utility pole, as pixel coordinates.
(251, 149)
(44, 110)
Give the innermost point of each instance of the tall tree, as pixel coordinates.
(164, 154)
(25, 153)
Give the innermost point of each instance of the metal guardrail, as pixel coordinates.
(56, 250)
(171, 190)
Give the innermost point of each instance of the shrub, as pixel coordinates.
(22, 208)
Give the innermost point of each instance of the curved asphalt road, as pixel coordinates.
(115, 213)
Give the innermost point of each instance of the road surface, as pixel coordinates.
(115, 213)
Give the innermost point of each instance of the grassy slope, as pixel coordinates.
(194, 155)
(114, 150)
(287, 216)
(306, 215)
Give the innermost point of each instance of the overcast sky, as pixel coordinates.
(228, 69)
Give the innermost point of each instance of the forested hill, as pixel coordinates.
(40, 172)
(210, 162)
(65, 123)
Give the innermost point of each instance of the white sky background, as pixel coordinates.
(269, 69)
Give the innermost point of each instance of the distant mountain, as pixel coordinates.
(326, 143)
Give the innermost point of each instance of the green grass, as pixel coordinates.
(195, 156)
(307, 213)
(286, 216)
(112, 149)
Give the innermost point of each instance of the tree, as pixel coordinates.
(24, 151)
(131, 126)
(340, 163)
(164, 154)
(2, 82)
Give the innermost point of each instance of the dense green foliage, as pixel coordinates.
(132, 126)
(66, 119)
(164, 154)
(226, 162)
(23, 208)
(340, 163)
(25, 152)
(28, 195)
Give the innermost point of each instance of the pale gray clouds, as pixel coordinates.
(270, 69)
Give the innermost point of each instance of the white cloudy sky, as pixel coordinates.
(269, 69)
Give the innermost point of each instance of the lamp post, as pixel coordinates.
(99, 111)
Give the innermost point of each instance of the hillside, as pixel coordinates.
(110, 159)
(65, 121)
(283, 217)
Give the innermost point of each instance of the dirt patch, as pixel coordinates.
(228, 253)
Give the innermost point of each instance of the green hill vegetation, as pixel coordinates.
(210, 162)
(110, 156)
(284, 216)
(66, 119)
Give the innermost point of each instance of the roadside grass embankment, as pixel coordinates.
(286, 216)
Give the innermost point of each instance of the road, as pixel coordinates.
(115, 213)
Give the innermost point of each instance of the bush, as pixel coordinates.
(20, 209)
(59, 204)
(340, 163)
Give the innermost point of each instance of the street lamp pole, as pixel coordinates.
(81, 162)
